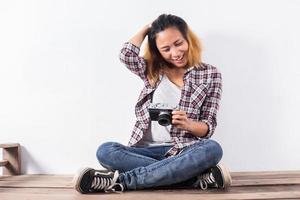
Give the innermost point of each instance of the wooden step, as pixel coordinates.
(3, 163)
(11, 155)
(9, 145)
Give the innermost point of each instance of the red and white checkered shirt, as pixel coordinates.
(200, 98)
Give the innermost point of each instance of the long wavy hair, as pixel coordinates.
(155, 62)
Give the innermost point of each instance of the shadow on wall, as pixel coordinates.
(28, 163)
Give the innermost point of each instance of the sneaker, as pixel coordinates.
(215, 177)
(89, 180)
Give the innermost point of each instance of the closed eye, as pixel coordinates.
(166, 49)
(178, 44)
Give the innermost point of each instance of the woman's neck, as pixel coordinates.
(175, 75)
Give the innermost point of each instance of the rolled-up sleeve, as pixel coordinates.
(129, 55)
(210, 106)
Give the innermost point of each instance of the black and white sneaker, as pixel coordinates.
(215, 177)
(89, 180)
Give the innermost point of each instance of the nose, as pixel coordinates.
(175, 53)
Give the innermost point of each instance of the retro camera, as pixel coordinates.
(161, 112)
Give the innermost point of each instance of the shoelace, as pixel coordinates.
(204, 179)
(107, 184)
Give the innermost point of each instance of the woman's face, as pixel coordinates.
(172, 46)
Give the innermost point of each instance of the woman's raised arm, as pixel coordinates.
(139, 37)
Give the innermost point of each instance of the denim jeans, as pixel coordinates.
(146, 167)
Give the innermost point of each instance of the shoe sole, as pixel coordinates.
(225, 175)
(78, 177)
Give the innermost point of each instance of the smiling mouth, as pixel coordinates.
(179, 59)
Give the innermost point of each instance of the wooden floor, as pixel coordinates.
(246, 185)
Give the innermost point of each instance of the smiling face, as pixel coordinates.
(173, 47)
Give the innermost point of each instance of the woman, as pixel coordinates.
(176, 154)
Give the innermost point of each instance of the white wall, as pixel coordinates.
(64, 91)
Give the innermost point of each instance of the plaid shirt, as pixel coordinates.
(200, 98)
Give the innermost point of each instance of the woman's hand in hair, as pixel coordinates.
(139, 37)
(180, 120)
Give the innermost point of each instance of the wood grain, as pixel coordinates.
(12, 154)
(246, 185)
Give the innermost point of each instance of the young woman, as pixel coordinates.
(177, 154)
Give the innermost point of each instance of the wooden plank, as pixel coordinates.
(232, 190)
(265, 178)
(72, 195)
(257, 182)
(12, 153)
(60, 187)
(9, 145)
(38, 181)
(66, 181)
(68, 184)
(272, 174)
(36, 177)
(235, 175)
(263, 173)
(3, 163)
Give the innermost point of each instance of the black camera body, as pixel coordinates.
(161, 112)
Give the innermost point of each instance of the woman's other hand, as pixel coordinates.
(180, 120)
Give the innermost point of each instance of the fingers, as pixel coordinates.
(183, 124)
(180, 120)
(177, 122)
(150, 24)
(179, 112)
(179, 117)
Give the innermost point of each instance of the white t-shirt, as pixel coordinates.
(167, 93)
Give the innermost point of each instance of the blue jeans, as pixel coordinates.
(146, 167)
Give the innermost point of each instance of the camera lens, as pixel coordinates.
(164, 118)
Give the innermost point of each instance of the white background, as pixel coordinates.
(64, 91)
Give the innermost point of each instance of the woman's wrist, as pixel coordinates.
(189, 125)
(197, 128)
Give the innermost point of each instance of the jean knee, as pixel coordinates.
(104, 150)
(216, 150)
